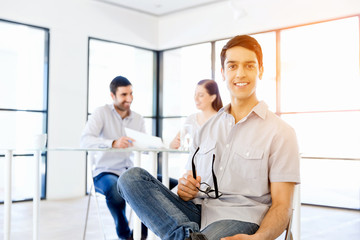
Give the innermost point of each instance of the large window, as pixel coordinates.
(183, 68)
(319, 96)
(23, 99)
(108, 60)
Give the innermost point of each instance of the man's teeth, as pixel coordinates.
(240, 84)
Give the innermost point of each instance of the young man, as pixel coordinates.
(243, 166)
(105, 129)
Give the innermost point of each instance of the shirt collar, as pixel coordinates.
(131, 115)
(260, 109)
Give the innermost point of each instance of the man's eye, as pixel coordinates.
(250, 66)
(231, 66)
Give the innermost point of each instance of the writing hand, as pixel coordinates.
(123, 142)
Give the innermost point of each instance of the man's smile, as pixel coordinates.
(241, 84)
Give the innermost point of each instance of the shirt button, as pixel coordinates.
(221, 168)
(227, 145)
(247, 154)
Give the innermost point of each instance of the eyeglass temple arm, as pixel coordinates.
(193, 164)
(214, 178)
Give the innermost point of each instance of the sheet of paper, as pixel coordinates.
(143, 140)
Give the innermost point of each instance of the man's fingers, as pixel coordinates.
(190, 178)
(130, 139)
(238, 237)
(126, 142)
(188, 189)
(189, 182)
(184, 194)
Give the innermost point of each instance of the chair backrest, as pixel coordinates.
(288, 235)
(294, 222)
(99, 206)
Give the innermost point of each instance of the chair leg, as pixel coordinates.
(92, 192)
(130, 215)
(288, 235)
(87, 213)
(99, 214)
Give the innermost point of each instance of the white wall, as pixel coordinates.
(71, 22)
(216, 21)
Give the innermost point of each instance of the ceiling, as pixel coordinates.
(159, 7)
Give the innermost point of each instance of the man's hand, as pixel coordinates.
(239, 237)
(123, 142)
(187, 187)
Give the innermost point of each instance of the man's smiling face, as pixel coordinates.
(241, 73)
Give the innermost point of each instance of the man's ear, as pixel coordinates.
(112, 96)
(261, 71)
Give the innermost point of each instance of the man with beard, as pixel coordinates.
(105, 129)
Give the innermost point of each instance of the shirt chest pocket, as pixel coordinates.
(248, 163)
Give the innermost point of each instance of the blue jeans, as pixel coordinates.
(167, 215)
(106, 184)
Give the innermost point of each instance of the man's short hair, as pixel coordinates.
(119, 81)
(244, 41)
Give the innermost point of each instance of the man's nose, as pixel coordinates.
(240, 72)
(129, 98)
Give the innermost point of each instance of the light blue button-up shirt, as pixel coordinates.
(259, 149)
(103, 127)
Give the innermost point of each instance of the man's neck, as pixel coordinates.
(240, 109)
(123, 114)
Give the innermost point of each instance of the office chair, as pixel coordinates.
(294, 215)
(93, 193)
(288, 235)
(98, 196)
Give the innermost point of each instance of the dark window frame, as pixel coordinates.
(45, 106)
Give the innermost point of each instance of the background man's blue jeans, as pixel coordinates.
(106, 184)
(168, 216)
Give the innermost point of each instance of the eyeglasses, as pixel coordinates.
(211, 193)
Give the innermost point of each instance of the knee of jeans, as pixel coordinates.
(128, 177)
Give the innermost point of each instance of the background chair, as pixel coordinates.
(93, 193)
(295, 217)
(288, 235)
(99, 198)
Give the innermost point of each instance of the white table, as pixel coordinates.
(137, 162)
(9, 153)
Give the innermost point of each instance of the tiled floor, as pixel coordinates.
(64, 220)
